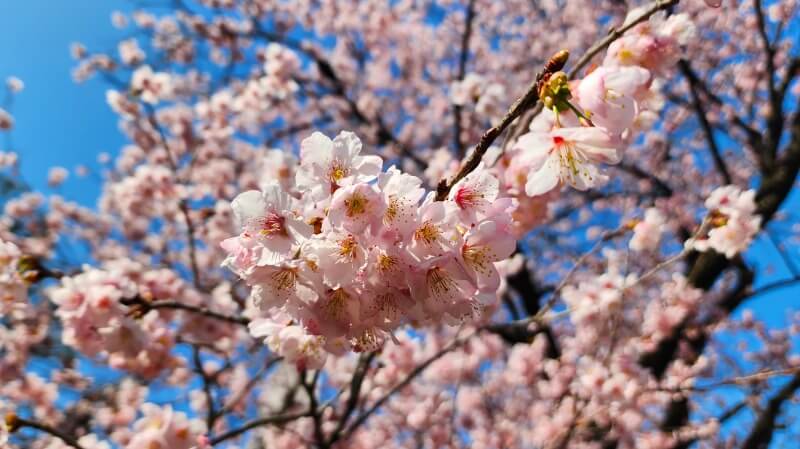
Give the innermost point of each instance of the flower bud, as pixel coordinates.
(557, 62)
(12, 422)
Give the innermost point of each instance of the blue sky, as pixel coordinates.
(57, 121)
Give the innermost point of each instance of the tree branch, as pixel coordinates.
(708, 131)
(266, 421)
(407, 380)
(462, 69)
(19, 423)
(522, 104)
(761, 433)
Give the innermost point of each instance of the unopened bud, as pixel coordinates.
(557, 62)
(12, 422)
(632, 223)
(316, 223)
(28, 269)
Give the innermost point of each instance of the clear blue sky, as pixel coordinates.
(57, 121)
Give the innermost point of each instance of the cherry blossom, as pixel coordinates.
(647, 232)
(733, 221)
(568, 156)
(151, 86)
(163, 428)
(14, 287)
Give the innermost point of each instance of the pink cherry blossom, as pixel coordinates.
(647, 233)
(568, 156)
(734, 222)
(608, 96)
(161, 428)
(151, 86)
(328, 164)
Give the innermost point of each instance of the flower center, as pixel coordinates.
(284, 279)
(347, 247)
(270, 225)
(336, 307)
(477, 256)
(427, 233)
(392, 209)
(337, 171)
(467, 197)
(386, 263)
(356, 204)
(439, 283)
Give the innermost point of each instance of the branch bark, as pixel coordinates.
(762, 431)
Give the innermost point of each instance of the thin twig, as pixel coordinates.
(144, 306)
(408, 379)
(522, 104)
(613, 34)
(462, 71)
(269, 420)
(708, 131)
(68, 440)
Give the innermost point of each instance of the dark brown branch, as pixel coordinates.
(708, 131)
(211, 414)
(313, 405)
(774, 286)
(354, 395)
(458, 342)
(661, 187)
(184, 208)
(775, 117)
(140, 305)
(20, 423)
(462, 71)
(522, 104)
(761, 433)
(269, 420)
(791, 71)
(753, 136)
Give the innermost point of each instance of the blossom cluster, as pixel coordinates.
(590, 121)
(677, 302)
(487, 97)
(13, 288)
(96, 320)
(733, 221)
(164, 428)
(349, 252)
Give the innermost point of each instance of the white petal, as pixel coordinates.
(316, 148)
(543, 180)
(346, 146)
(369, 166)
(535, 147)
(248, 205)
